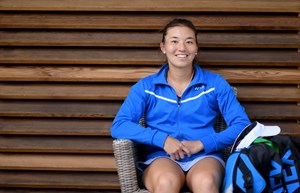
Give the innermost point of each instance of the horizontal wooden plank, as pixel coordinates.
(53, 190)
(62, 179)
(138, 56)
(76, 74)
(268, 93)
(249, 57)
(34, 126)
(57, 162)
(83, 38)
(256, 75)
(271, 111)
(89, 109)
(133, 74)
(104, 56)
(82, 127)
(55, 144)
(105, 91)
(73, 109)
(144, 20)
(136, 5)
(252, 39)
(86, 91)
(40, 126)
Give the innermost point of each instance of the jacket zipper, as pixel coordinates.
(178, 116)
(178, 101)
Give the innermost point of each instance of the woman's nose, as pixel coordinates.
(181, 46)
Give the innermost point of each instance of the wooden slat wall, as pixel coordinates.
(66, 66)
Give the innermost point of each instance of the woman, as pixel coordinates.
(180, 104)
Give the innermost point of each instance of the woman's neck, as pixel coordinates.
(180, 79)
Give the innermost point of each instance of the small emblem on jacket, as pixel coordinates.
(199, 87)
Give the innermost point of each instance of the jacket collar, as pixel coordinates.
(161, 76)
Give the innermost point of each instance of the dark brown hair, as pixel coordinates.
(178, 22)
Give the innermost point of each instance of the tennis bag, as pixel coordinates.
(268, 164)
(289, 152)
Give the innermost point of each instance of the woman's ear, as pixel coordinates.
(162, 47)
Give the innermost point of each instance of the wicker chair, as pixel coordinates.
(128, 152)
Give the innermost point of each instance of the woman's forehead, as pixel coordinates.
(180, 31)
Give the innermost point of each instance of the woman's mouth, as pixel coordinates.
(181, 55)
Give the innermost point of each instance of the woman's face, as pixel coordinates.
(180, 46)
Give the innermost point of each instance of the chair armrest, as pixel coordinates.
(126, 157)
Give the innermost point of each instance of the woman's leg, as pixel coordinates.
(163, 175)
(205, 176)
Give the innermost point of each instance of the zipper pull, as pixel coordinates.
(178, 101)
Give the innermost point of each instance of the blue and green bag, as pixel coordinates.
(269, 164)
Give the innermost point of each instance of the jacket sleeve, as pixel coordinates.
(234, 115)
(126, 123)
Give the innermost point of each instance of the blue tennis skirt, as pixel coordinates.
(185, 166)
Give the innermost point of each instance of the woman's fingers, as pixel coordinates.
(180, 154)
(186, 150)
(193, 146)
(178, 150)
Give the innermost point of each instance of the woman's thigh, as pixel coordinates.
(163, 168)
(206, 170)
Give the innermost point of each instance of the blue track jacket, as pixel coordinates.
(190, 117)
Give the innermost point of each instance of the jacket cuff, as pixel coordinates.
(209, 144)
(159, 139)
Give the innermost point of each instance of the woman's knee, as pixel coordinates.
(169, 181)
(205, 181)
(205, 176)
(163, 175)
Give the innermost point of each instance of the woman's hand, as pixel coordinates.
(176, 149)
(193, 146)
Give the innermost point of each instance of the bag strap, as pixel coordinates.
(247, 176)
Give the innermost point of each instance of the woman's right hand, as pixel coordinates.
(176, 149)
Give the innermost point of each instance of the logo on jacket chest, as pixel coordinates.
(199, 87)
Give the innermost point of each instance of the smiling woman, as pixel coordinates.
(180, 47)
(180, 104)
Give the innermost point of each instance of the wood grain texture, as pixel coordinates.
(253, 39)
(55, 127)
(55, 190)
(144, 56)
(89, 109)
(56, 144)
(147, 21)
(62, 179)
(105, 91)
(66, 66)
(133, 74)
(136, 5)
(57, 162)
